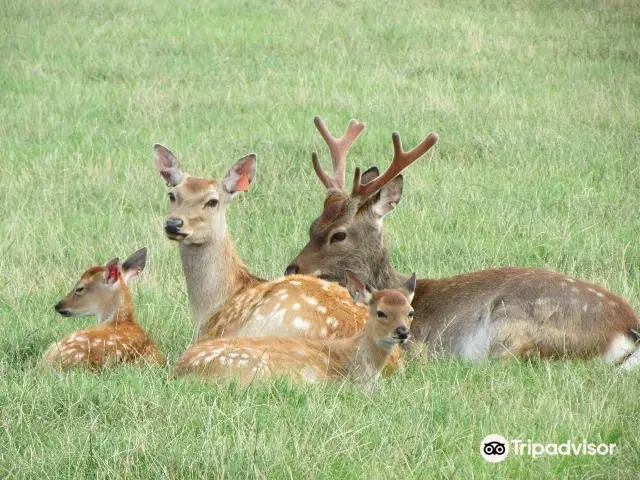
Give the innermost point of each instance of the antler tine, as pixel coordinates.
(338, 148)
(401, 160)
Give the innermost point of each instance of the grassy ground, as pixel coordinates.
(538, 107)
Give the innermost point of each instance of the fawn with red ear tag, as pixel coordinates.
(102, 291)
(359, 358)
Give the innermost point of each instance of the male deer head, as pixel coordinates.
(348, 234)
(197, 205)
(101, 288)
(390, 312)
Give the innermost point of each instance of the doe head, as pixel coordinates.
(390, 311)
(197, 205)
(101, 286)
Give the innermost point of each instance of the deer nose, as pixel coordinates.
(61, 310)
(402, 332)
(173, 225)
(291, 269)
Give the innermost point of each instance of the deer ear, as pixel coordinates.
(370, 174)
(240, 175)
(135, 264)
(359, 291)
(167, 165)
(111, 272)
(409, 287)
(387, 198)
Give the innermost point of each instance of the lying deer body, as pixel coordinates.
(359, 358)
(226, 300)
(118, 338)
(520, 312)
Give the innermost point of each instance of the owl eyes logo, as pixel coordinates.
(494, 448)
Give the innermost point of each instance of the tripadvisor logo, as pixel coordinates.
(495, 448)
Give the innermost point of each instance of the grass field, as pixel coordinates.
(538, 108)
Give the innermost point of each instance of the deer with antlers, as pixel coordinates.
(359, 358)
(118, 338)
(500, 312)
(225, 298)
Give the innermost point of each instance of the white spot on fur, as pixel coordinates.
(332, 322)
(322, 309)
(282, 291)
(570, 280)
(300, 324)
(296, 306)
(308, 374)
(243, 363)
(223, 360)
(575, 289)
(295, 283)
(600, 294)
(310, 300)
(325, 286)
(284, 296)
(323, 332)
(611, 303)
(620, 347)
(585, 307)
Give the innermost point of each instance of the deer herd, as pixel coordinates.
(341, 311)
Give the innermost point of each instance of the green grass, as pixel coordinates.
(538, 108)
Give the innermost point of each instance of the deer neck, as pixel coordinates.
(367, 357)
(213, 272)
(382, 274)
(120, 310)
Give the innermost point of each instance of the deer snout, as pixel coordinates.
(61, 310)
(172, 225)
(292, 269)
(401, 333)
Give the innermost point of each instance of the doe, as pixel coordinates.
(358, 358)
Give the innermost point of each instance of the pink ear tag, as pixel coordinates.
(242, 185)
(113, 274)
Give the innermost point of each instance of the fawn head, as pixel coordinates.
(390, 311)
(100, 287)
(348, 234)
(197, 205)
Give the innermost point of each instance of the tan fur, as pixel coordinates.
(501, 312)
(358, 358)
(225, 298)
(117, 339)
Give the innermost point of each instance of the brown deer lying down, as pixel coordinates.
(102, 291)
(359, 358)
(521, 312)
(225, 298)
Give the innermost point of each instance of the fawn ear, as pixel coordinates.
(111, 272)
(387, 198)
(359, 291)
(240, 175)
(133, 265)
(409, 287)
(167, 165)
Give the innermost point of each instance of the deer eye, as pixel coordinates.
(381, 314)
(338, 237)
(172, 197)
(411, 314)
(79, 290)
(211, 203)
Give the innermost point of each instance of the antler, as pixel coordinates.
(338, 148)
(401, 160)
